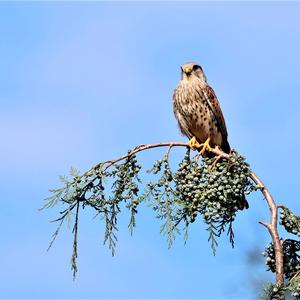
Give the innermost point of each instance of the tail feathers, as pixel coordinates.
(225, 146)
(243, 203)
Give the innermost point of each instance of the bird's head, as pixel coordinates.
(191, 70)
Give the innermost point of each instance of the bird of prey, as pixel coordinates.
(198, 111)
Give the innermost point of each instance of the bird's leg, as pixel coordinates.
(205, 146)
(193, 143)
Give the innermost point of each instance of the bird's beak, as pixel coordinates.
(187, 70)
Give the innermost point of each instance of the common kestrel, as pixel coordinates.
(198, 111)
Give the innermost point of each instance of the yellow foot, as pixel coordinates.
(193, 143)
(205, 146)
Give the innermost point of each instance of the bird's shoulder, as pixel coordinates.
(211, 96)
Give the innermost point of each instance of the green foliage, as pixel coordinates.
(291, 248)
(290, 221)
(291, 257)
(273, 292)
(294, 286)
(212, 188)
(291, 264)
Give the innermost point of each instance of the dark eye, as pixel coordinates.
(196, 67)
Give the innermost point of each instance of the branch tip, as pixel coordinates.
(264, 224)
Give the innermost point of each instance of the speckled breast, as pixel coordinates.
(194, 115)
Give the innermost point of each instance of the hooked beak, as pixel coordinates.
(187, 70)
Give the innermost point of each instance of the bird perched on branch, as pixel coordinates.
(198, 111)
(199, 115)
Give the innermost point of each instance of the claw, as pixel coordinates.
(205, 146)
(193, 143)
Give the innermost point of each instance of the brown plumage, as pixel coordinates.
(197, 108)
(198, 112)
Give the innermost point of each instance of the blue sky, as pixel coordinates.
(85, 82)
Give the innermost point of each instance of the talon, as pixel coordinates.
(193, 143)
(205, 146)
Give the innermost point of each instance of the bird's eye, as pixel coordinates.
(196, 67)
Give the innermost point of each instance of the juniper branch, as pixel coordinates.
(272, 226)
(104, 166)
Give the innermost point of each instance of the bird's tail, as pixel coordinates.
(225, 146)
(242, 202)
